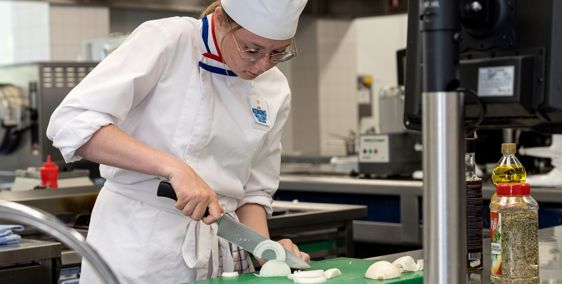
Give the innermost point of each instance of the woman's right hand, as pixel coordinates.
(194, 195)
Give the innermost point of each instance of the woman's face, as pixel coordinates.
(234, 46)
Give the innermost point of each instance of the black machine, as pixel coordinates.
(510, 66)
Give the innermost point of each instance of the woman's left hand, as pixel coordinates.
(290, 246)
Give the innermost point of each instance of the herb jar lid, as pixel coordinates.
(513, 189)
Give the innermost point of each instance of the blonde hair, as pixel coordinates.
(211, 9)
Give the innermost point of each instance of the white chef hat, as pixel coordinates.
(272, 19)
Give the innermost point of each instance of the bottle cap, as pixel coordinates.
(470, 145)
(508, 148)
(513, 189)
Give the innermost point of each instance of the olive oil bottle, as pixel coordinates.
(509, 169)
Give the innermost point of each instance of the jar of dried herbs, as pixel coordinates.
(514, 235)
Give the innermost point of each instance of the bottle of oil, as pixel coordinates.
(508, 169)
(473, 210)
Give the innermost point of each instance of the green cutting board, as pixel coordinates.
(353, 272)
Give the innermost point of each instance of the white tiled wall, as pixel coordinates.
(38, 31)
(332, 53)
(24, 31)
(378, 39)
(72, 25)
(322, 79)
(337, 66)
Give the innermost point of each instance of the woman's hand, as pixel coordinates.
(194, 195)
(290, 246)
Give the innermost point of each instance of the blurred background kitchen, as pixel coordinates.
(351, 182)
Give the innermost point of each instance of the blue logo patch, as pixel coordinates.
(260, 115)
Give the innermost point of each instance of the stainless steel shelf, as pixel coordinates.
(28, 251)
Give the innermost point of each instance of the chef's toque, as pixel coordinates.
(272, 19)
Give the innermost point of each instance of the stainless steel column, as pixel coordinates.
(444, 229)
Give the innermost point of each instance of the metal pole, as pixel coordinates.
(43, 221)
(443, 140)
(444, 230)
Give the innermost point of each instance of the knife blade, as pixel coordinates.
(236, 232)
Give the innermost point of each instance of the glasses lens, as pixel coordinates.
(284, 56)
(252, 55)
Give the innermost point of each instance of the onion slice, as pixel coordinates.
(275, 268)
(273, 246)
(382, 270)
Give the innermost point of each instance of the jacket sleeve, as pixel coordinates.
(264, 174)
(111, 90)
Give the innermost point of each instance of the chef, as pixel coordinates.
(201, 104)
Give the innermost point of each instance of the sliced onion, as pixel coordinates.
(275, 268)
(273, 246)
(309, 273)
(309, 280)
(331, 273)
(406, 263)
(229, 274)
(382, 270)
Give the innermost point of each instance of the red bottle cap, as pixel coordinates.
(49, 173)
(513, 189)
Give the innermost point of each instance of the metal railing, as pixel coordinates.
(51, 225)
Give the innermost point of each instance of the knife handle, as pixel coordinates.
(165, 189)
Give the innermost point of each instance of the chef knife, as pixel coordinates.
(236, 232)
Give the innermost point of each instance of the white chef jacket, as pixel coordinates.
(168, 87)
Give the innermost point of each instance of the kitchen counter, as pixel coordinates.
(328, 228)
(30, 261)
(348, 184)
(410, 192)
(550, 258)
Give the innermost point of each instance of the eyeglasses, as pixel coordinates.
(255, 54)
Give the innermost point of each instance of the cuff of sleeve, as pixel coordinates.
(77, 132)
(262, 198)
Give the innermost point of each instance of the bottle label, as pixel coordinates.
(474, 223)
(495, 236)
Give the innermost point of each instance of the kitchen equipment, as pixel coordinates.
(31, 92)
(554, 152)
(236, 232)
(353, 272)
(390, 154)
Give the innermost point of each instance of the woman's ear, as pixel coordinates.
(220, 17)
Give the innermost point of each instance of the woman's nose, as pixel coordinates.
(264, 63)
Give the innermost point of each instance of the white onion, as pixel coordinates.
(406, 263)
(420, 264)
(382, 270)
(229, 274)
(309, 280)
(275, 268)
(309, 273)
(270, 245)
(331, 273)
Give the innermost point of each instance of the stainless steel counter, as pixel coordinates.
(28, 251)
(30, 261)
(408, 231)
(304, 222)
(550, 258)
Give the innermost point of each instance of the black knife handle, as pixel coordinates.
(165, 189)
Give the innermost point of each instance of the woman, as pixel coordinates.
(196, 102)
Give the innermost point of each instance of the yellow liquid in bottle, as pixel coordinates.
(509, 174)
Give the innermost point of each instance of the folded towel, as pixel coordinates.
(7, 229)
(10, 239)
